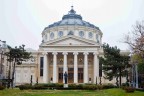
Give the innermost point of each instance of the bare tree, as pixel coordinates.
(135, 39)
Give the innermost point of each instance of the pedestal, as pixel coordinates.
(90, 81)
(51, 81)
(65, 85)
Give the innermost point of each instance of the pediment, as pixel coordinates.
(70, 40)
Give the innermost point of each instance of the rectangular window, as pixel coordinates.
(70, 76)
(60, 76)
(100, 70)
(41, 65)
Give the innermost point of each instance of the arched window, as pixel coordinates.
(51, 35)
(71, 33)
(60, 33)
(97, 38)
(81, 34)
(90, 34)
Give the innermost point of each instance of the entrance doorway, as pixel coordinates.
(70, 75)
(80, 75)
(60, 79)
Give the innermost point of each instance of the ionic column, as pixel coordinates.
(96, 66)
(54, 67)
(85, 67)
(65, 64)
(45, 70)
(75, 67)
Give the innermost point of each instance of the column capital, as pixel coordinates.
(75, 53)
(65, 53)
(95, 53)
(85, 53)
(54, 53)
(44, 53)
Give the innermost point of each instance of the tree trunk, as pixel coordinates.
(120, 75)
(9, 75)
(117, 81)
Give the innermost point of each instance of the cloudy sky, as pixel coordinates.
(22, 21)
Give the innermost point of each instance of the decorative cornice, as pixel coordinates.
(66, 37)
(44, 53)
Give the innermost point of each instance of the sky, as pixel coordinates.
(22, 21)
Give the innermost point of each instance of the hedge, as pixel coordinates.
(70, 86)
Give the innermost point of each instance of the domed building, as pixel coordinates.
(70, 45)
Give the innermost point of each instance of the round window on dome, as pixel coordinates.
(60, 33)
(51, 35)
(70, 33)
(81, 34)
(90, 34)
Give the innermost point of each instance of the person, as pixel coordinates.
(65, 77)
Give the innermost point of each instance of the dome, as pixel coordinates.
(72, 19)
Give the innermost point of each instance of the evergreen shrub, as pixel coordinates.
(25, 87)
(108, 86)
(129, 89)
(2, 87)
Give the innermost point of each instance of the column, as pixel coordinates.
(54, 67)
(65, 68)
(45, 69)
(75, 67)
(85, 67)
(96, 67)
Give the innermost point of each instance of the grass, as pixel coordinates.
(108, 92)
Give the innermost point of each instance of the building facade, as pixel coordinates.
(70, 45)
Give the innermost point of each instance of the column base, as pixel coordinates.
(65, 85)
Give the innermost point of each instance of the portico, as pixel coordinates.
(80, 66)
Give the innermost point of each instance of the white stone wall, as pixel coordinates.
(23, 74)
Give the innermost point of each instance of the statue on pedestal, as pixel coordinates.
(65, 77)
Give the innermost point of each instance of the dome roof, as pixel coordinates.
(72, 19)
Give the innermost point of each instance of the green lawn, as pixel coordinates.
(108, 92)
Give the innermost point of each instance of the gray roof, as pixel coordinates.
(72, 19)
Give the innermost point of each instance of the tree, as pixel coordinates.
(16, 56)
(135, 39)
(114, 64)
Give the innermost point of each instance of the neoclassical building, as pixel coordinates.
(70, 45)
